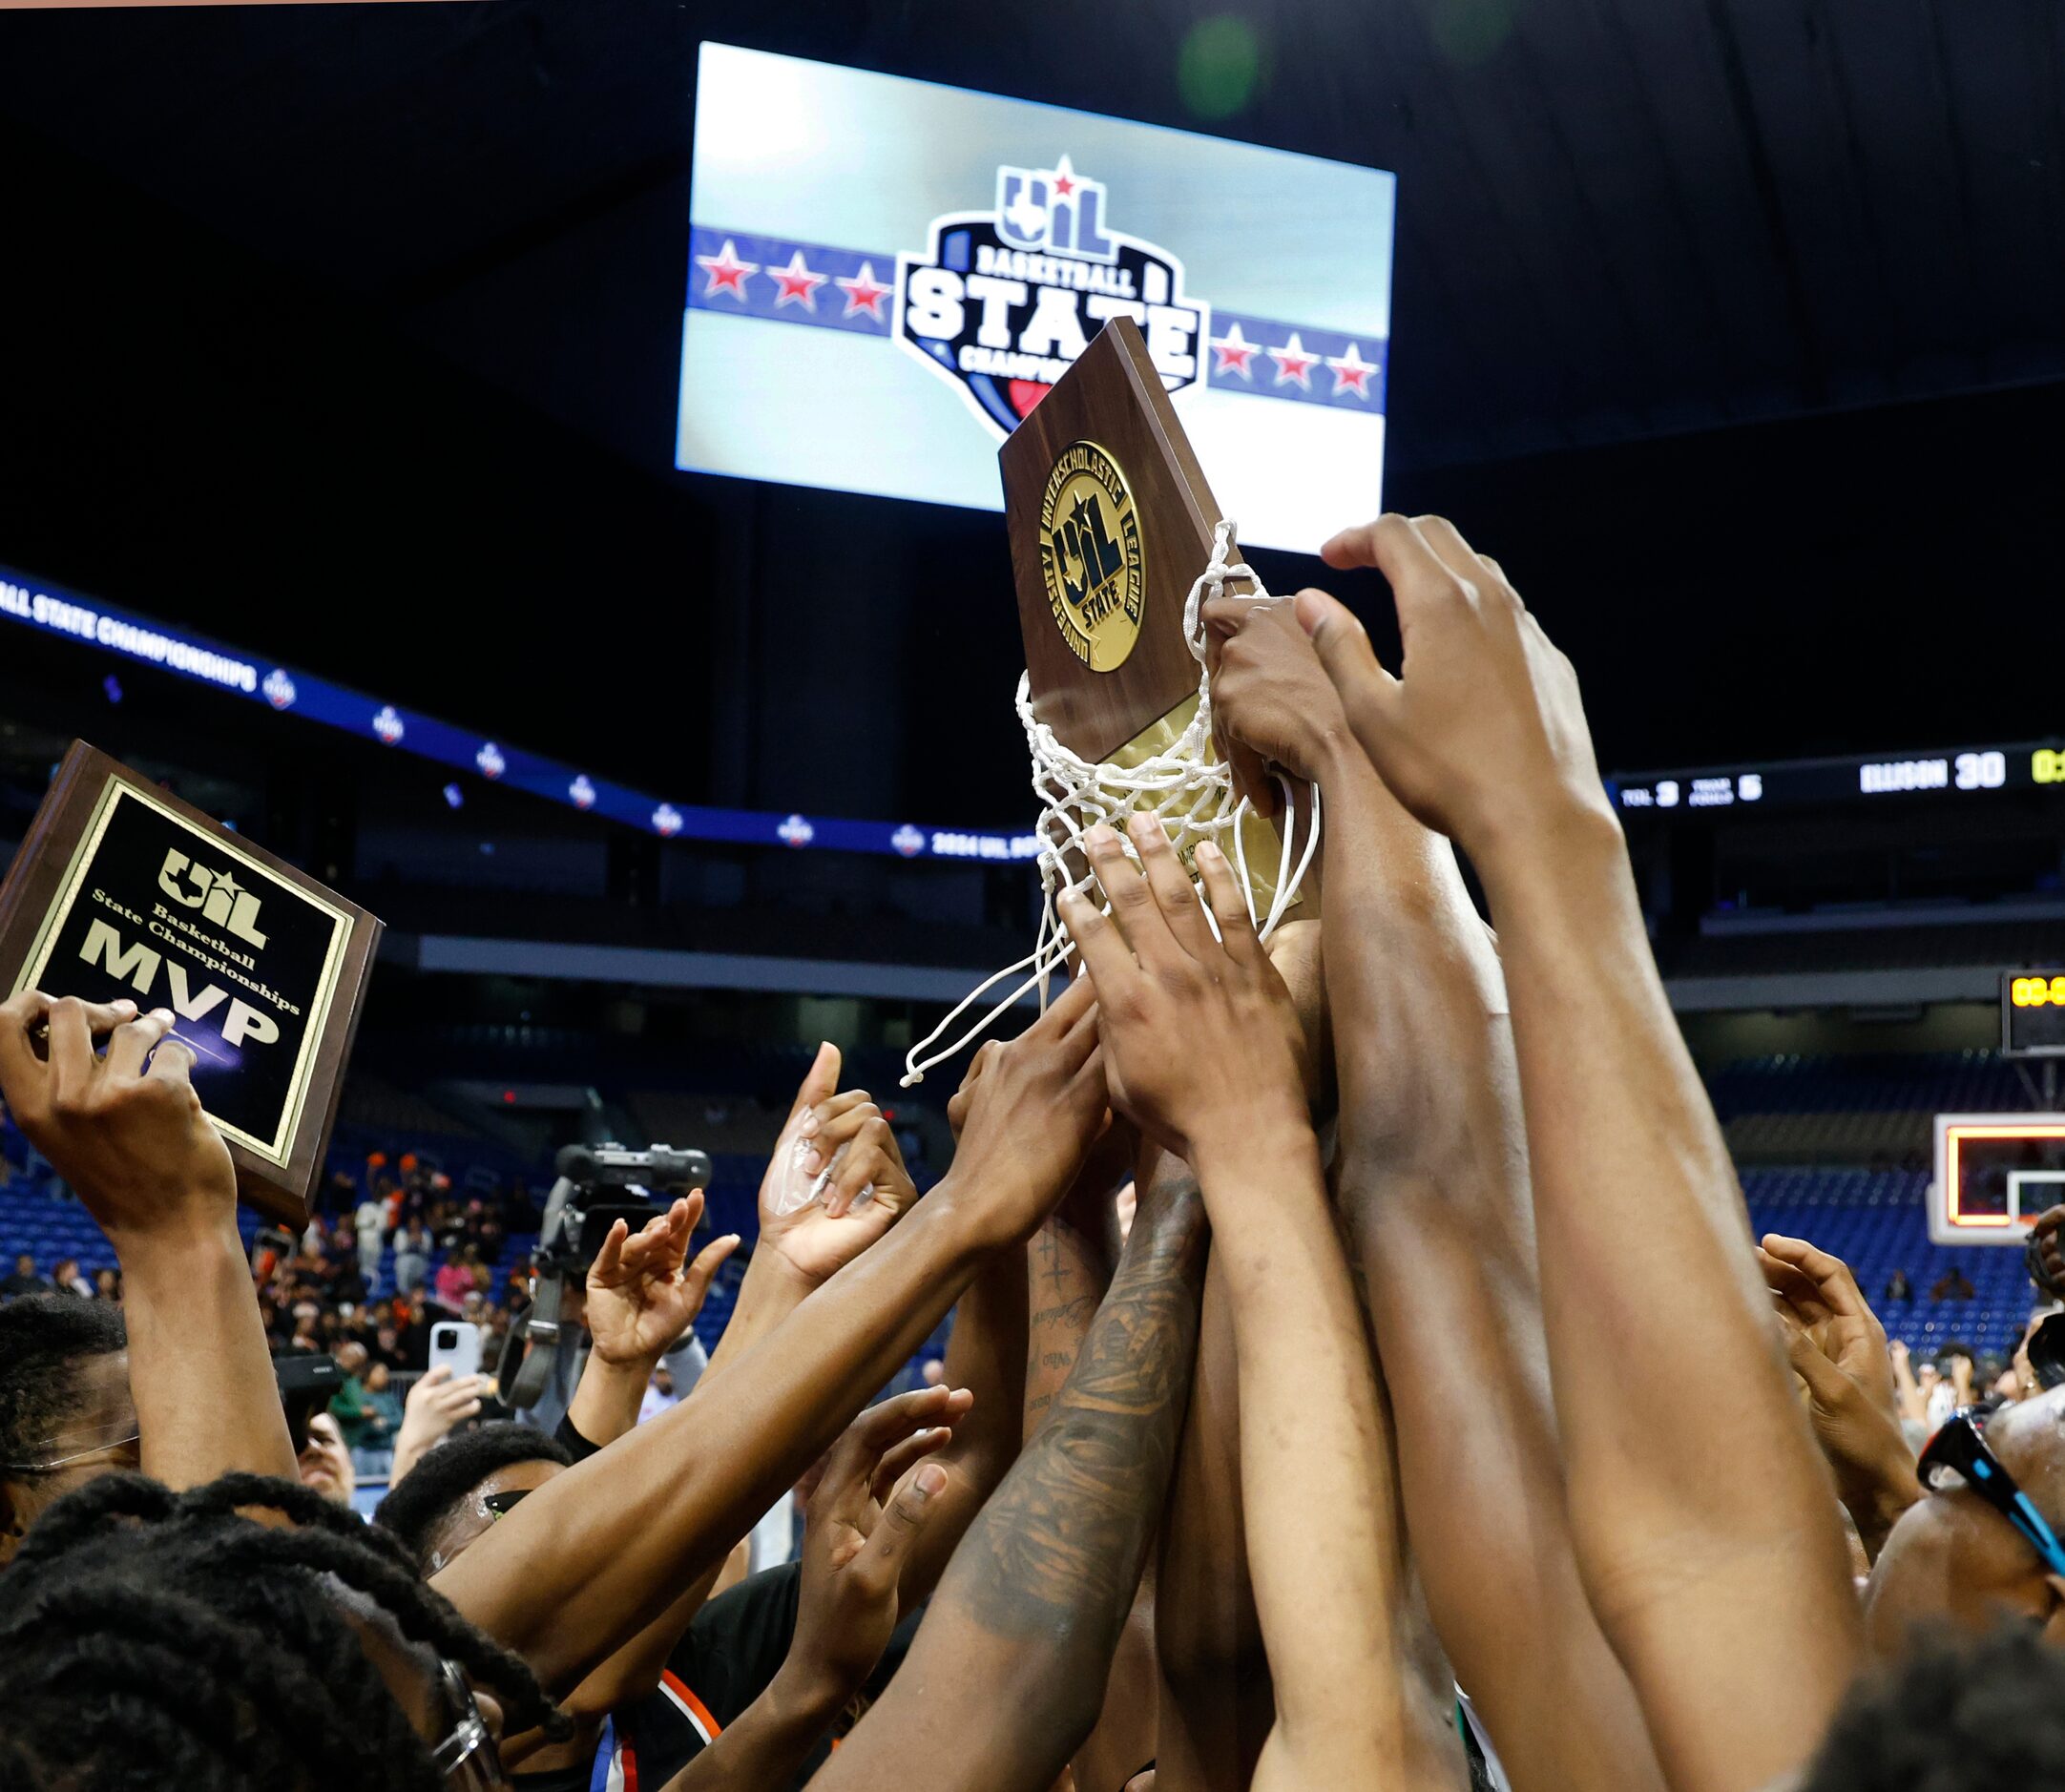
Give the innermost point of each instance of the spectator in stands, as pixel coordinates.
(65, 1411)
(385, 1348)
(70, 1278)
(108, 1283)
(411, 1258)
(371, 1227)
(454, 1279)
(1954, 1284)
(1898, 1288)
(359, 1422)
(1960, 1373)
(307, 1318)
(438, 1401)
(659, 1395)
(385, 1398)
(23, 1279)
(324, 1463)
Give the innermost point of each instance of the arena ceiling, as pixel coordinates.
(1618, 218)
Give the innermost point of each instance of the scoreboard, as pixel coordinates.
(1874, 782)
(1995, 1174)
(2033, 1013)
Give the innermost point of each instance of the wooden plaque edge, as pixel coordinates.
(37, 876)
(1070, 712)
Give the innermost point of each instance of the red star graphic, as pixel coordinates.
(1351, 372)
(864, 293)
(798, 284)
(1063, 185)
(1292, 363)
(727, 273)
(1233, 351)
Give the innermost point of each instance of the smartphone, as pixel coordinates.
(455, 1342)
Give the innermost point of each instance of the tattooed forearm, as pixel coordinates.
(1067, 1276)
(1057, 1551)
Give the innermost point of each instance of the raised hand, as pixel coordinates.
(1483, 733)
(1202, 1041)
(1837, 1348)
(437, 1401)
(127, 1131)
(124, 1126)
(640, 1297)
(1269, 691)
(856, 1540)
(857, 1530)
(824, 1231)
(1032, 1110)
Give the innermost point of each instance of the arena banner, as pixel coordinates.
(123, 637)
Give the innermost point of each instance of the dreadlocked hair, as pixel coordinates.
(150, 1639)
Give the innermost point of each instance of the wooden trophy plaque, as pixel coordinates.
(1111, 522)
(122, 890)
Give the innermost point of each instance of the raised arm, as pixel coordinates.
(1704, 1522)
(1314, 1436)
(597, 1553)
(126, 1129)
(1023, 1626)
(808, 1232)
(1433, 1176)
(644, 1293)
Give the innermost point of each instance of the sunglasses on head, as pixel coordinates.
(1957, 1455)
(501, 1504)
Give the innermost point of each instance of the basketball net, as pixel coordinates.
(1185, 787)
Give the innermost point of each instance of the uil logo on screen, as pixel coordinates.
(222, 900)
(1003, 300)
(1091, 557)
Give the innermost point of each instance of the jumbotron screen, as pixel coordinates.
(886, 275)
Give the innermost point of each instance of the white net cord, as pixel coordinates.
(1184, 786)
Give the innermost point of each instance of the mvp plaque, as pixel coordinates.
(121, 890)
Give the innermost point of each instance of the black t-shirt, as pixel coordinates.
(734, 1647)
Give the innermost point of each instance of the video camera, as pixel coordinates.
(597, 1186)
(306, 1382)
